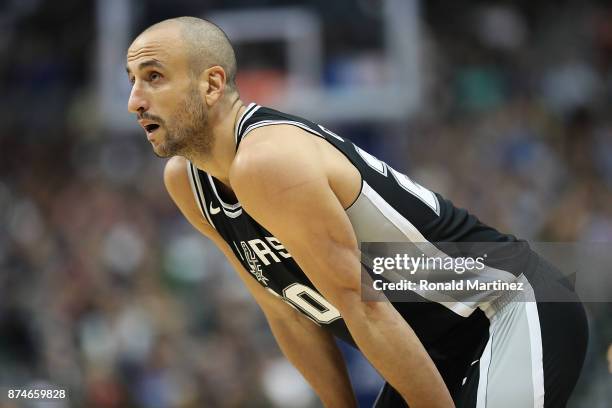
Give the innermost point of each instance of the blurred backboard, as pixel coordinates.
(385, 86)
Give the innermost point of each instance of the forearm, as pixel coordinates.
(306, 345)
(313, 351)
(393, 348)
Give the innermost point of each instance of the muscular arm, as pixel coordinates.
(307, 346)
(282, 183)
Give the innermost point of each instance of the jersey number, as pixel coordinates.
(310, 302)
(417, 190)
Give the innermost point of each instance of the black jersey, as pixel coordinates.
(390, 208)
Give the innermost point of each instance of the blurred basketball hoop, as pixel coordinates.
(300, 89)
(296, 86)
(266, 86)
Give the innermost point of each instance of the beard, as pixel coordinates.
(187, 132)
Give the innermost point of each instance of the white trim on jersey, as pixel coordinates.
(483, 378)
(193, 187)
(232, 214)
(259, 124)
(246, 115)
(458, 307)
(506, 353)
(231, 210)
(198, 192)
(329, 132)
(537, 359)
(237, 250)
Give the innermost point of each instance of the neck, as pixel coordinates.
(224, 119)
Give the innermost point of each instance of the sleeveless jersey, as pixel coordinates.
(390, 208)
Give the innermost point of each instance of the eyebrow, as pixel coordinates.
(146, 64)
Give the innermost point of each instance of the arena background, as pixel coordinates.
(107, 292)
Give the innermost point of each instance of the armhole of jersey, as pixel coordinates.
(308, 129)
(263, 123)
(198, 192)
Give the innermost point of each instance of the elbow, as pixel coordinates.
(347, 297)
(351, 295)
(342, 283)
(352, 305)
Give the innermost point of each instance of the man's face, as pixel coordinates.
(165, 97)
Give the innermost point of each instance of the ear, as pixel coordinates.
(213, 84)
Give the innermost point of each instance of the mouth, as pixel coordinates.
(151, 128)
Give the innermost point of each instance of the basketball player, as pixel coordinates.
(288, 202)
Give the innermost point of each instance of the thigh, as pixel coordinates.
(510, 370)
(533, 357)
(452, 354)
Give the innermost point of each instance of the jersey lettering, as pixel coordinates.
(254, 265)
(262, 250)
(275, 243)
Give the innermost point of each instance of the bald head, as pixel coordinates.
(206, 45)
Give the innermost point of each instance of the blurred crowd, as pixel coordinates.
(106, 291)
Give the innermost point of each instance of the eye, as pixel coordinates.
(154, 76)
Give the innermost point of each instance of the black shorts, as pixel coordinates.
(531, 356)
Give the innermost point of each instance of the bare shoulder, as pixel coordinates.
(177, 183)
(276, 155)
(275, 159)
(175, 175)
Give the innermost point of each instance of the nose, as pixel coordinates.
(137, 102)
